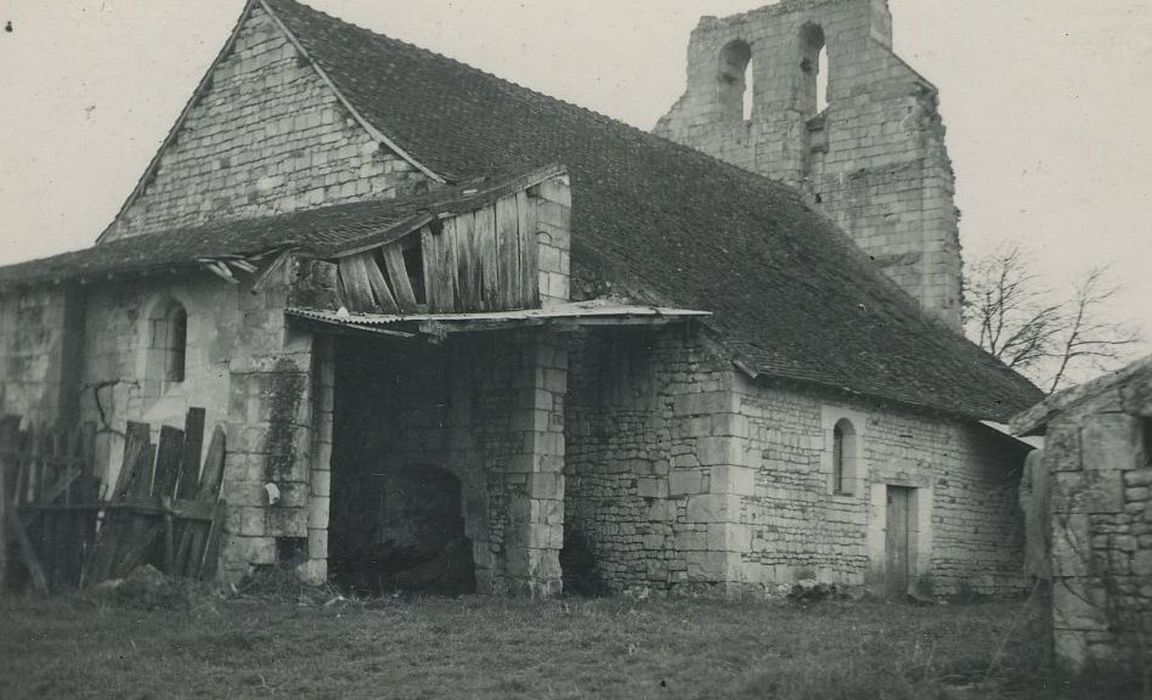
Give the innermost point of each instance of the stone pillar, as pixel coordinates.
(315, 569)
(534, 532)
(714, 477)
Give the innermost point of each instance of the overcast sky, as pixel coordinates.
(1046, 102)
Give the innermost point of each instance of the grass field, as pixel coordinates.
(475, 647)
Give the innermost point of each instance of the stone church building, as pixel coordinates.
(442, 313)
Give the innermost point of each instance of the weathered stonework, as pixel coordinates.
(244, 366)
(1098, 449)
(683, 473)
(267, 136)
(874, 159)
(489, 410)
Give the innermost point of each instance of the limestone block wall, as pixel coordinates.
(32, 331)
(874, 159)
(488, 409)
(682, 473)
(266, 136)
(1100, 458)
(634, 493)
(243, 365)
(965, 527)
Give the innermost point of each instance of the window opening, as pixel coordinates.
(168, 341)
(843, 457)
(736, 82)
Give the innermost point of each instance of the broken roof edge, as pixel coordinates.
(1034, 420)
(439, 203)
(470, 199)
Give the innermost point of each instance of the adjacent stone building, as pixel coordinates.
(1098, 452)
(475, 333)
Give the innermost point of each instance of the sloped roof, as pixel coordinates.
(790, 292)
(326, 231)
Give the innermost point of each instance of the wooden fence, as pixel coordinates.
(58, 530)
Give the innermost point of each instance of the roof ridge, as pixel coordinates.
(656, 139)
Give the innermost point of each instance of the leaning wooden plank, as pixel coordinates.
(116, 524)
(168, 456)
(487, 257)
(211, 557)
(28, 554)
(393, 255)
(213, 470)
(190, 551)
(134, 445)
(140, 532)
(526, 230)
(377, 282)
(61, 485)
(508, 253)
(357, 288)
(189, 480)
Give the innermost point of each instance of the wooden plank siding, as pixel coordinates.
(473, 261)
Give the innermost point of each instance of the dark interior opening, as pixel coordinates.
(395, 524)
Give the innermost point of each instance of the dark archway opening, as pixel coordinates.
(396, 522)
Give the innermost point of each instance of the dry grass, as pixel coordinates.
(489, 648)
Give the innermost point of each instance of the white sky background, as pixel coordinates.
(1046, 103)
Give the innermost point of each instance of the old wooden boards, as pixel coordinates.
(164, 508)
(484, 260)
(43, 474)
(55, 531)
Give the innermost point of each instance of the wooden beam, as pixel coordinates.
(508, 253)
(467, 263)
(393, 255)
(488, 257)
(529, 269)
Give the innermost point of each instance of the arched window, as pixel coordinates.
(167, 342)
(843, 457)
(814, 70)
(736, 89)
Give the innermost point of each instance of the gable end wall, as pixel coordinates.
(266, 136)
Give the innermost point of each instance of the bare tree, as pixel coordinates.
(1013, 316)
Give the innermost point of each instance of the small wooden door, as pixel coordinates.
(897, 542)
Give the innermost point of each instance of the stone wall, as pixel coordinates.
(244, 366)
(965, 531)
(628, 446)
(32, 352)
(682, 473)
(488, 409)
(874, 160)
(1099, 455)
(266, 136)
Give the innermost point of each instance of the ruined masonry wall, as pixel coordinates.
(244, 366)
(1100, 457)
(268, 136)
(874, 160)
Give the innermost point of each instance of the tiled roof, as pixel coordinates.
(790, 292)
(793, 296)
(324, 231)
